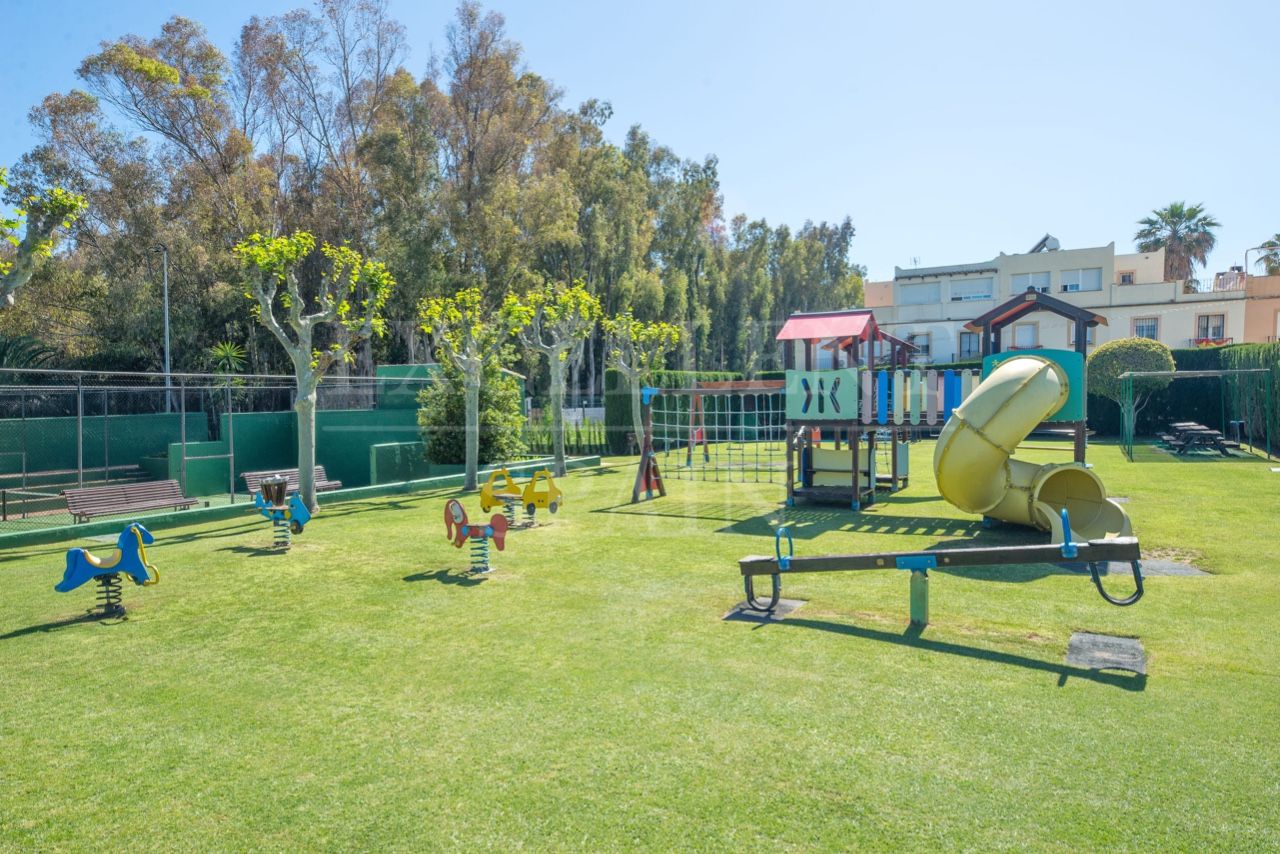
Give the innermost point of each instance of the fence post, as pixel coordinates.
(182, 428)
(79, 430)
(106, 438)
(231, 444)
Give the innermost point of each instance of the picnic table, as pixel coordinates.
(1187, 435)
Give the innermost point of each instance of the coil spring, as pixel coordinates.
(509, 510)
(109, 595)
(283, 536)
(480, 555)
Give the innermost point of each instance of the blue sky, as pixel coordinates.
(948, 131)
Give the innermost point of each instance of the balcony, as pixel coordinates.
(1210, 342)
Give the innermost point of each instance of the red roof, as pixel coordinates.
(827, 324)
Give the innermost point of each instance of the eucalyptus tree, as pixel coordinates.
(636, 349)
(555, 320)
(1185, 233)
(348, 294)
(467, 335)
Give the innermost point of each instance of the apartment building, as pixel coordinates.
(929, 306)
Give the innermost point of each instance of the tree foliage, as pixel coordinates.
(636, 349)
(1269, 260)
(1184, 232)
(500, 420)
(1110, 360)
(45, 212)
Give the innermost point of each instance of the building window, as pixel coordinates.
(1039, 281)
(920, 340)
(1127, 277)
(1211, 326)
(971, 289)
(1146, 327)
(1088, 334)
(1026, 336)
(1088, 279)
(969, 345)
(926, 293)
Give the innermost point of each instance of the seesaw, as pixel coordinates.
(130, 558)
(1094, 553)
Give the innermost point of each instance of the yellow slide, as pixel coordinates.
(975, 470)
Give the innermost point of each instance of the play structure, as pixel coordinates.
(731, 430)
(458, 530)
(130, 559)
(846, 385)
(540, 493)
(973, 459)
(1094, 554)
(286, 510)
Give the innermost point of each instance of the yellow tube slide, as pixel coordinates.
(975, 470)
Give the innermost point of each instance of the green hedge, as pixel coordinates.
(1184, 400)
(617, 399)
(1256, 401)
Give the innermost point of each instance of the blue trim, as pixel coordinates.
(917, 563)
(784, 561)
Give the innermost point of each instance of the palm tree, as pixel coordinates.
(1269, 260)
(1184, 232)
(22, 351)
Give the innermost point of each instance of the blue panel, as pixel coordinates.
(882, 396)
(950, 393)
(917, 562)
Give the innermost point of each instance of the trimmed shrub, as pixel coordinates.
(442, 417)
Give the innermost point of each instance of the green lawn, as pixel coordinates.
(362, 692)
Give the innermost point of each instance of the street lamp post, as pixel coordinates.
(168, 382)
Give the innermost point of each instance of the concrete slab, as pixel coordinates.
(1153, 567)
(741, 613)
(1106, 652)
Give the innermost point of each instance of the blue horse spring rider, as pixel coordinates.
(129, 559)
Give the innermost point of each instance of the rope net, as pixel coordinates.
(730, 436)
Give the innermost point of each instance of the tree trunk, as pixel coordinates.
(306, 409)
(472, 380)
(637, 412)
(557, 410)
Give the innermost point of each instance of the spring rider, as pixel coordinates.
(458, 530)
(130, 558)
(286, 510)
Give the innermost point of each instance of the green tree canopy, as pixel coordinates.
(1185, 233)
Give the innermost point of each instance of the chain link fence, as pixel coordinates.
(62, 430)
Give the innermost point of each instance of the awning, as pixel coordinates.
(827, 324)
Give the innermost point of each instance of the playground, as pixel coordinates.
(363, 689)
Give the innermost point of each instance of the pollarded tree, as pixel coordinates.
(1110, 360)
(554, 320)
(466, 335)
(44, 213)
(635, 350)
(350, 293)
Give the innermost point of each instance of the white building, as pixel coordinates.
(929, 306)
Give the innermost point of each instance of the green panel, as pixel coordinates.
(50, 443)
(1070, 361)
(203, 476)
(343, 438)
(263, 440)
(840, 406)
(393, 395)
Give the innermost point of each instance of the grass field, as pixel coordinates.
(363, 693)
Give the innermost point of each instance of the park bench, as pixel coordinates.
(253, 479)
(84, 504)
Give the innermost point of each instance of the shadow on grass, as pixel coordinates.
(807, 523)
(446, 576)
(254, 551)
(912, 637)
(55, 625)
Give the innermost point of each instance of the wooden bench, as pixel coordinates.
(253, 479)
(84, 504)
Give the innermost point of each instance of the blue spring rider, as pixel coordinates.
(287, 518)
(130, 559)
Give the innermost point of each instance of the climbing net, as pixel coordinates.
(733, 436)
